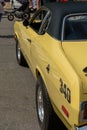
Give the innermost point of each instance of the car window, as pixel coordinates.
(75, 27)
(38, 20)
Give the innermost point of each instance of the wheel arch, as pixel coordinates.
(16, 36)
(40, 73)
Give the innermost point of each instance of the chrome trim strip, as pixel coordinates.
(81, 128)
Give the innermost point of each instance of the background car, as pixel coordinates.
(54, 45)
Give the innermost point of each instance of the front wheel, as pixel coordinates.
(43, 106)
(10, 17)
(19, 55)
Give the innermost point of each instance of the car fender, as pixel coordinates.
(40, 73)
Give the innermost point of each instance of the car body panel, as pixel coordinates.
(76, 52)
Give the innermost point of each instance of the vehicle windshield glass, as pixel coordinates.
(75, 27)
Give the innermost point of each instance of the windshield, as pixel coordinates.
(75, 27)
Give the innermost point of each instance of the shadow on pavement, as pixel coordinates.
(6, 36)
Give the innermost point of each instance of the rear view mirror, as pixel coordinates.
(25, 22)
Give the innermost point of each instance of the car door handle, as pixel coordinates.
(29, 40)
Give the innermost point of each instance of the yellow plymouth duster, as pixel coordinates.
(54, 45)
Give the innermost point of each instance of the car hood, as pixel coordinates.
(76, 53)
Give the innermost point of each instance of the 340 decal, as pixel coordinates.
(65, 90)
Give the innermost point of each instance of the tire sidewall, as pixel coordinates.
(19, 55)
(46, 104)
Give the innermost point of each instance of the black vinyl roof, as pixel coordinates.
(59, 11)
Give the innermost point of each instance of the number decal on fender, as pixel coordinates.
(65, 90)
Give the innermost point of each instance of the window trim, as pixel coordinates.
(63, 24)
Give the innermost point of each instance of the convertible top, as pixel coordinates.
(59, 11)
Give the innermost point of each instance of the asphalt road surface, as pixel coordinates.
(17, 86)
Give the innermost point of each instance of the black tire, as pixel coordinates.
(43, 106)
(19, 55)
(10, 17)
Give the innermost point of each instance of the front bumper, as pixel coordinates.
(81, 128)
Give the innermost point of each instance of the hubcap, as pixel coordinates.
(40, 104)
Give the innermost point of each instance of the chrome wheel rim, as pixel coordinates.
(40, 104)
(19, 53)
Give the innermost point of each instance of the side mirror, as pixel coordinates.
(25, 22)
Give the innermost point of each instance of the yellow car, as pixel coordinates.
(54, 45)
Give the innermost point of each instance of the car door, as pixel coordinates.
(26, 40)
(39, 24)
(33, 33)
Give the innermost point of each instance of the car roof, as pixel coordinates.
(59, 11)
